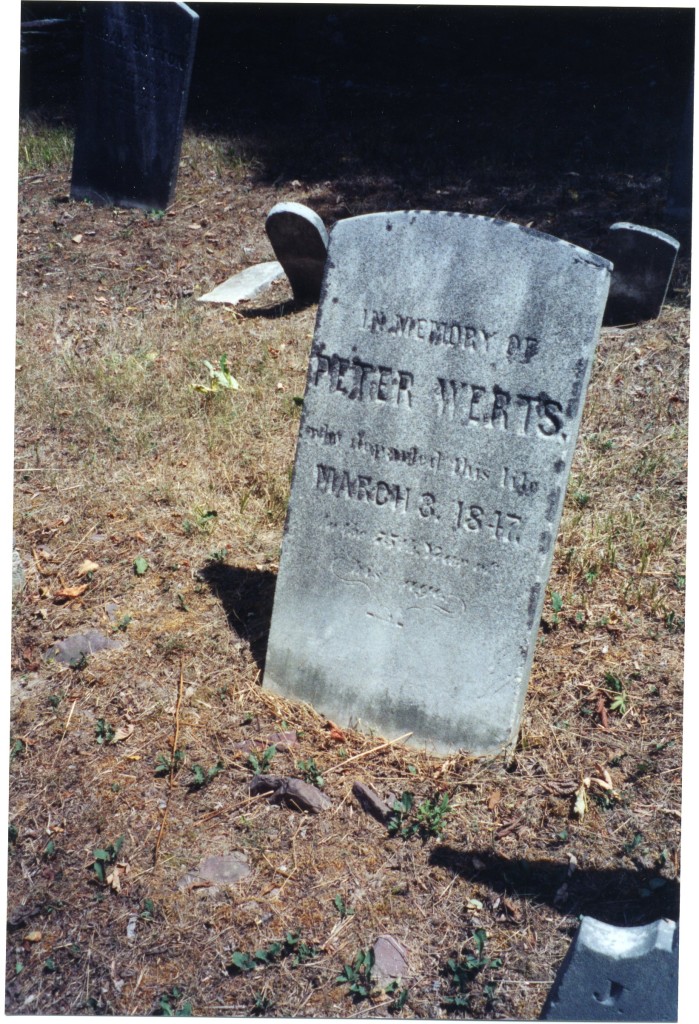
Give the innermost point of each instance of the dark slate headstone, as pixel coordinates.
(678, 209)
(446, 382)
(137, 65)
(619, 974)
(643, 261)
(300, 243)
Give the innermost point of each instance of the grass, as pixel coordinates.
(118, 459)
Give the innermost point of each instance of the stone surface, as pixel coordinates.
(390, 959)
(19, 579)
(621, 974)
(78, 646)
(300, 243)
(295, 793)
(445, 387)
(678, 208)
(137, 65)
(643, 261)
(246, 285)
(371, 802)
(217, 870)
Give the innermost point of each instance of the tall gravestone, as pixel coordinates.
(445, 388)
(137, 65)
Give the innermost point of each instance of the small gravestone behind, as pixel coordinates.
(300, 243)
(643, 261)
(137, 65)
(446, 383)
(620, 974)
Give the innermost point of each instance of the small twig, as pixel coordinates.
(65, 730)
(76, 546)
(171, 778)
(366, 753)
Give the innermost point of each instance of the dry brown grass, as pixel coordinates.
(119, 458)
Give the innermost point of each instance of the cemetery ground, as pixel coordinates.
(152, 512)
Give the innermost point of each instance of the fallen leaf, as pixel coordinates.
(580, 805)
(86, 567)
(602, 712)
(122, 733)
(494, 799)
(69, 593)
(511, 908)
(336, 732)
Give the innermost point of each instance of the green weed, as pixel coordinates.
(428, 820)
(163, 764)
(310, 772)
(400, 996)
(104, 731)
(219, 379)
(357, 975)
(290, 946)
(620, 699)
(260, 764)
(342, 908)
(462, 972)
(202, 776)
(170, 1005)
(105, 857)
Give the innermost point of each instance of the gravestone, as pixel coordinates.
(620, 974)
(300, 243)
(446, 382)
(643, 261)
(678, 208)
(137, 65)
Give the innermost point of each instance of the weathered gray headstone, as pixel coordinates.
(643, 261)
(137, 65)
(446, 382)
(300, 243)
(620, 974)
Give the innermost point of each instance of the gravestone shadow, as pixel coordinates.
(247, 596)
(619, 896)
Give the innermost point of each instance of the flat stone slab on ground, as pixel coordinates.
(643, 261)
(71, 650)
(300, 243)
(247, 284)
(444, 393)
(217, 870)
(617, 974)
(390, 959)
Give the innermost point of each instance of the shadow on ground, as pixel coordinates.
(247, 596)
(622, 896)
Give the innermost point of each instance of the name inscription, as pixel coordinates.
(468, 403)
